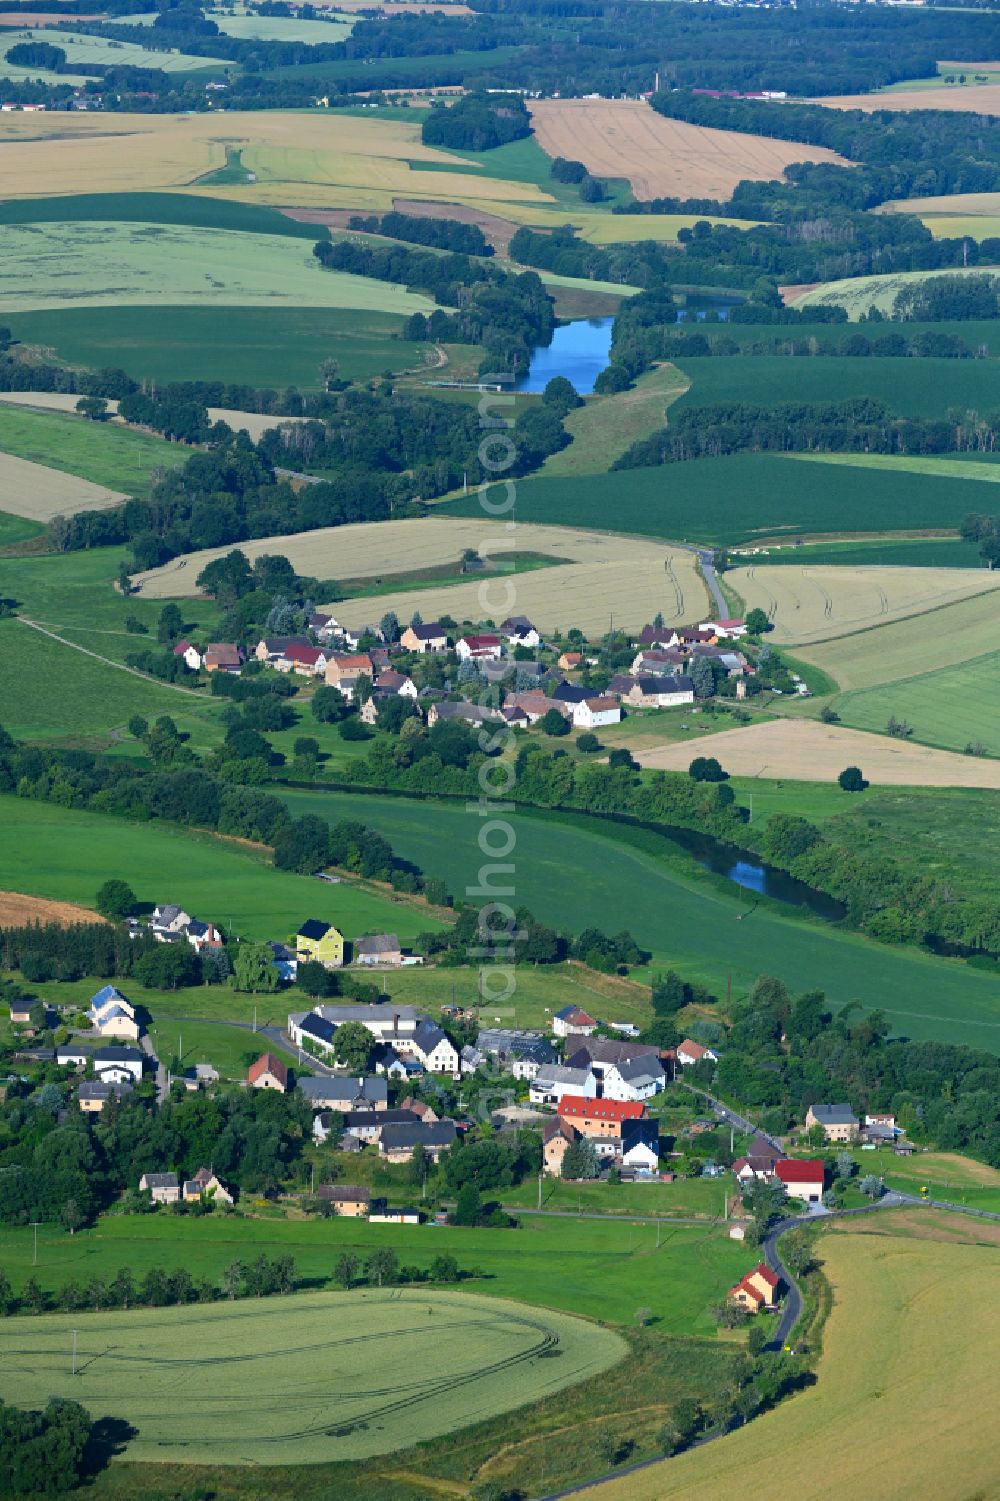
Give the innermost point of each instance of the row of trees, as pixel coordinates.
(159, 1287)
(441, 233)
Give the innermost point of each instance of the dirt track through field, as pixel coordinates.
(804, 751)
(621, 138)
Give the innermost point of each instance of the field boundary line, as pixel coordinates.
(882, 625)
(108, 662)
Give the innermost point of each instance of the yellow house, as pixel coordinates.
(319, 942)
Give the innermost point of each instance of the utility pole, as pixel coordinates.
(255, 1019)
(34, 1250)
(74, 1352)
(657, 1235)
(750, 795)
(539, 1190)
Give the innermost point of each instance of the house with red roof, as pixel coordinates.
(268, 1073)
(757, 1290)
(192, 656)
(307, 661)
(689, 1053)
(602, 1121)
(571, 1021)
(479, 648)
(801, 1179)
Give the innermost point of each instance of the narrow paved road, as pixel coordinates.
(711, 582)
(161, 1073)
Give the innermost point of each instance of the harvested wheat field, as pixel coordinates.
(972, 98)
(17, 909)
(662, 158)
(60, 401)
(803, 750)
(908, 648)
(908, 1376)
(812, 604)
(38, 493)
(604, 574)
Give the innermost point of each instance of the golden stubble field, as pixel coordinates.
(803, 750)
(970, 98)
(38, 493)
(604, 574)
(908, 1379)
(297, 158)
(819, 603)
(623, 138)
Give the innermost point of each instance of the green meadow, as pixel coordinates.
(198, 210)
(101, 452)
(920, 552)
(64, 853)
(744, 498)
(952, 707)
(575, 872)
(603, 1269)
(282, 346)
(83, 49)
(17, 529)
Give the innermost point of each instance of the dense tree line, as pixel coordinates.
(508, 314)
(159, 1287)
(417, 229)
(639, 349)
(43, 1452)
(476, 122)
(940, 298)
(54, 951)
(860, 425)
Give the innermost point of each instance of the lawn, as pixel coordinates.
(744, 498)
(575, 872)
(64, 853)
(256, 346)
(914, 1330)
(686, 1197)
(15, 529)
(911, 388)
(249, 1382)
(952, 707)
(603, 1269)
(58, 265)
(105, 454)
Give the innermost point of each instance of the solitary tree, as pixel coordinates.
(116, 899)
(382, 1266)
(757, 622)
(354, 1046)
(851, 780)
(346, 1269)
(253, 968)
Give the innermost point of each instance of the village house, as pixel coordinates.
(268, 1073)
(600, 1120)
(658, 660)
(557, 1135)
(420, 1109)
(163, 1188)
(366, 1092)
(73, 1054)
(689, 1053)
(385, 1023)
(343, 672)
(211, 1187)
(167, 921)
(593, 713)
(118, 1064)
(515, 717)
(111, 1015)
(624, 1070)
(757, 1290)
(571, 1021)
(479, 648)
(552, 1084)
(657, 635)
(839, 1122)
(758, 1164)
(689, 635)
(320, 943)
(398, 1143)
(223, 656)
(640, 1147)
(462, 710)
(801, 1179)
(432, 1048)
(285, 960)
(349, 1201)
(191, 655)
(399, 684)
(273, 648)
(519, 631)
(652, 692)
(203, 935)
(424, 638)
(536, 705)
(364, 1126)
(522, 1054)
(725, 630)
(20, 1011)
(306, 661)
(378, 949)
(324, 627)
(94, 1094)
(569, 661)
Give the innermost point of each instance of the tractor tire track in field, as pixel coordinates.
(108, 661)
(678, 591)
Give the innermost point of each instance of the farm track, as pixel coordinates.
(108, 661)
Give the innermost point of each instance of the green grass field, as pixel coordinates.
(283, 346)
(685, 1197)
(574, 872)
(319, 1377)
(83, 49)
(602, 1269)
(60, 852)
(101, 452)
(911, 388)
(285, 29)
(952, 707)
(744, 498)
(16, 529)
(160, 208)
(58, 265)
(919, 552)
(857, 294)
(605, 426)
(425, 71)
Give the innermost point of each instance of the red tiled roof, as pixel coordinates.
(790, 1170)
(601, 1110)
(763, 1271)
(268, 1064)
(307, 655)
